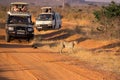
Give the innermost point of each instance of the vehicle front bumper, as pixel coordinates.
(44, 27)
(21, 34)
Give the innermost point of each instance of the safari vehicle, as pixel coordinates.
(19, 24)
(48, 19)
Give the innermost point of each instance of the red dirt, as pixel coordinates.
(21, 62)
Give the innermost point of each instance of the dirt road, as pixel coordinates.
(21, 62)
(40, 64)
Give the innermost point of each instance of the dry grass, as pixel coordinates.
(107, 61)
(99, 54)
(104, 59)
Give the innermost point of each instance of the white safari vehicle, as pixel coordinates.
(48, 19)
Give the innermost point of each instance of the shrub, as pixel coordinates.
(3, 13)
(110, 11)
(109, 18)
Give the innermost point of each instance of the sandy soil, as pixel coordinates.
(22, 64)
(18, 61)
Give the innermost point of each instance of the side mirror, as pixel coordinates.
(61, 16)
(32, 23)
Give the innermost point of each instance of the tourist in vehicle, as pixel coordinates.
(15, 8)
(24, 8)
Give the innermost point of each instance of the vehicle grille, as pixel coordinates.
(44, 25)
(20, 28)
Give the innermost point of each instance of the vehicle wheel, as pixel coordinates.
(39, 30)
(28, 39)
(7, 37)
(59, 26)
(54, 27)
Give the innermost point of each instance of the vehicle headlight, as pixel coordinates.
(30, 29)
(11, 28)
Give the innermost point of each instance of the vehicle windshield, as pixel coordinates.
(19, 20)
(45, 17)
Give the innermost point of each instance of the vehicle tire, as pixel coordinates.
(7, 37)
(59, 26)
(28, 39)
(38, 29)
(54, 27)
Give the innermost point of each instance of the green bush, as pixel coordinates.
(97, 15)
(109, 18)
(110, 11)
(113, 10)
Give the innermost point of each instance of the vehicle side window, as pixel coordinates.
(56, 17)
(53, 17)
(59, 16)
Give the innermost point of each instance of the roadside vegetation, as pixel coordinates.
(3, 10)
(109, 18)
